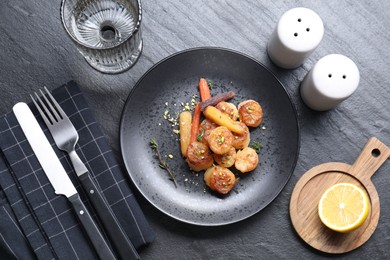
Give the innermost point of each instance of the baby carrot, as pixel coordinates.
(195, 123)
(216, 116)
(212, 101)
(204, 89)
(185, 123)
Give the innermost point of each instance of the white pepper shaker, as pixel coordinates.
(333, 79)
(297, 34)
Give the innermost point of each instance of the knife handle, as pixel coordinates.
(98, 242)
(117, 236)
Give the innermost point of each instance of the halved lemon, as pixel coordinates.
(344, 207)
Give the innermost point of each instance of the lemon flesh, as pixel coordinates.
(344, 207)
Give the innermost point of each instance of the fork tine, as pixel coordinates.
(50, 108)
(59, 109)
(48, 121)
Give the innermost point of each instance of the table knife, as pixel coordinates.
(58, 177)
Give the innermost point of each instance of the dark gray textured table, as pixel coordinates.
(35, 51)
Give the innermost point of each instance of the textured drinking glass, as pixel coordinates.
(107, 32)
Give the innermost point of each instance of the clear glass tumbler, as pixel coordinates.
(107, 32)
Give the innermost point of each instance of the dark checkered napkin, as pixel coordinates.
(37, 223)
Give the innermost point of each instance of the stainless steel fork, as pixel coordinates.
(61, 128)
(66, 138)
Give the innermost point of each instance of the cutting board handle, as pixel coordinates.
(373, 155)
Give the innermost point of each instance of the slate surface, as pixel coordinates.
(35, 51)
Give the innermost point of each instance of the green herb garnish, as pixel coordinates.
(199, 137)
(256, 146)
(162, 163)
(209, 83)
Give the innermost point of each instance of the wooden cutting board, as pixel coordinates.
(310, 187)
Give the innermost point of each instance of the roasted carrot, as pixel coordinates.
(216, 99)
(185, 123)
(222, 119)
(204, 89)
(195, 123)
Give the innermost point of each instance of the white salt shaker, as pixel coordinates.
(332, 79)
(297, 34)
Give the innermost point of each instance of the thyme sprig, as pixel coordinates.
(162, 163)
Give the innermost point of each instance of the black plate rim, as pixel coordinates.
(205, 48)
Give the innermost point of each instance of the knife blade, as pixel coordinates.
(58, 177)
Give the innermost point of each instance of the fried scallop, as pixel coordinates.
(246, 160)
(205, 128)
(240, 141)
(250, 113)
(220, 140)
(227, 159)
(220, 179)
(228, 108)
(199, 156)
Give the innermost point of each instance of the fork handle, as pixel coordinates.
(111, 224)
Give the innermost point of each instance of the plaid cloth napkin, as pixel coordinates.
(37, 223)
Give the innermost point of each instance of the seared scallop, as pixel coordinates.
(250, 113)
(205, 128)
(227, 159)
(220, 179)
(240, 141)
(220, 140)
(228, 108)
(246, 160)
(199, 156)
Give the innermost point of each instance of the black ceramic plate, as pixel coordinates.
(174, 81)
